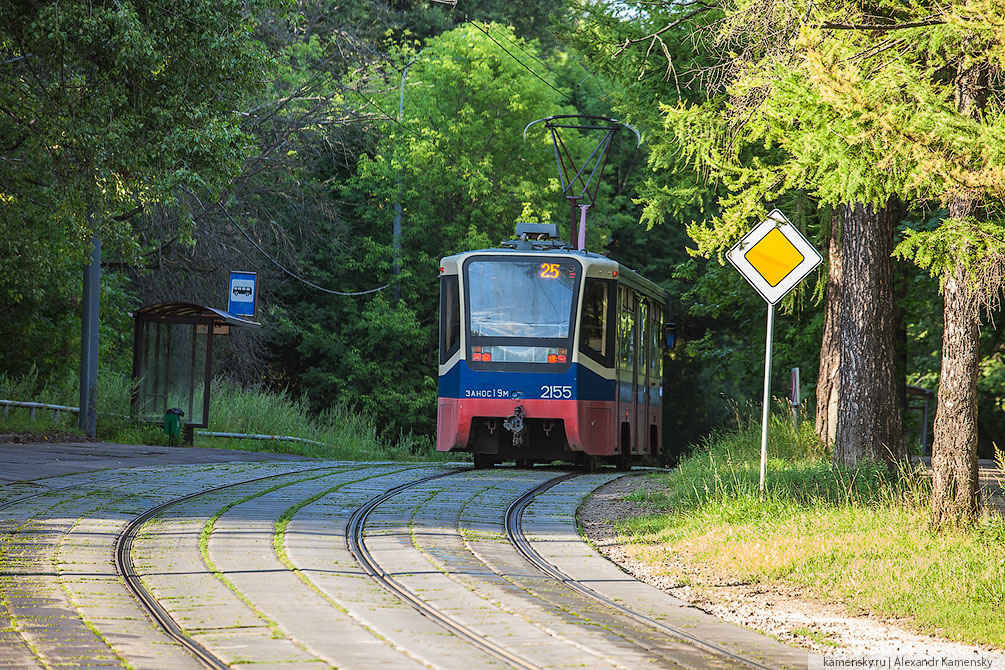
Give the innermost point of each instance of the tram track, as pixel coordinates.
(357, 546)
(513, 525)
(126, 570)
(16, 501)
(400, 584)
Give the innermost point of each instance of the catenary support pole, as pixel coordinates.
(766, 410)
(87, 419)
(396, 232)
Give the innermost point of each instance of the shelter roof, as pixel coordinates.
(187, 312)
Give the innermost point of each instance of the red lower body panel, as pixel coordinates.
(590, 426)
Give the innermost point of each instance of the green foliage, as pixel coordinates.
(110, 109)
(847, 118)
(967, 244)
(235, 409)
(115, 106)
(114, 394)
(720, 318)
(458, 165)
(42, 332)
(800, 473)
(342, 432)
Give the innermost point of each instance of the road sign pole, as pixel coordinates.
(773, 256)
(795, 398)
(766, 410)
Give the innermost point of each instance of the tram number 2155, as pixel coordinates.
(556, 392)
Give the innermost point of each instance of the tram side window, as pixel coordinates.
(595, 334)
(643, 326)
(450, 318)
(656, 343)
(626, 331)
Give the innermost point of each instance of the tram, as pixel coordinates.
(549, 353)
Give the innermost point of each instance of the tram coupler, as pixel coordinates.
(515, 424)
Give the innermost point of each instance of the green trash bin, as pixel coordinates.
(172, 424)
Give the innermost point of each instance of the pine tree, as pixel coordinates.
(897, 101)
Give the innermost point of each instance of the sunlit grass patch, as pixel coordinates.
(861, 537)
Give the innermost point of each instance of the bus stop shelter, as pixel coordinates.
(173, 360)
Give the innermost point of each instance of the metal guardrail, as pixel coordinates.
(254, 436)
(32, 406)
(56, 409)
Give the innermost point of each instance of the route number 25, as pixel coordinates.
(549, 270)
(556, 392)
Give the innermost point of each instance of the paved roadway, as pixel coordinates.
(261, 561)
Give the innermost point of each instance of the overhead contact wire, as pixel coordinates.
(290, 272)
(525, 66)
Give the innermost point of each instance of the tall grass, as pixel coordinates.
(860, 536)
(113, 398)
(347, 434)
(726, 466)
(341, 432)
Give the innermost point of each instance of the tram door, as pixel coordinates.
(628, 360)
(641, 428)
(655, 378)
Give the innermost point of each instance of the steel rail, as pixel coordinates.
(514, 530)
(256, 436)
(125, 568)
(357, 546)
(15, 501)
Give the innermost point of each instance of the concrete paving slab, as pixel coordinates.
(241, 547)
(255, 645)
(456, 583)
(42, 460)
(560, 544)
(327, 614)
(89, 617)
(315, 543)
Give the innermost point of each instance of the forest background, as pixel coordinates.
(199, 137)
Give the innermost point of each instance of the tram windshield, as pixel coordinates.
(521, 297)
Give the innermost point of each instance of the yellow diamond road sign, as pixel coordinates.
(774, 257)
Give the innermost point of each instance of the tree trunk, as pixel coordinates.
(830, 351)
(954, 448)
(869, 425)
(954, 451)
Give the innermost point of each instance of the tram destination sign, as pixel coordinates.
(774, 257)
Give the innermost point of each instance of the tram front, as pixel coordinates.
(507, 384)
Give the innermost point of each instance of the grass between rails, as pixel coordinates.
(861, 537)
(342, 432)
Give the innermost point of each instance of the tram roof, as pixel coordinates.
(625, 274)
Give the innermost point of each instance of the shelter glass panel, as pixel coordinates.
(174, 371)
